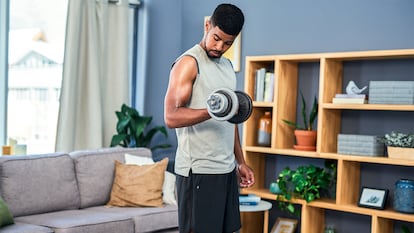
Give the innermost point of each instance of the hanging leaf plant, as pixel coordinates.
(306, 182)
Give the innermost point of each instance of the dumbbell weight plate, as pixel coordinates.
(245, 108)
(226, 107)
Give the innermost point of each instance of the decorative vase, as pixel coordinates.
(265, 130)
(305, 140)
(400, 153)
(274, 188)
(404, 196)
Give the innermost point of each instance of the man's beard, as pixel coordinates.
(212, 53)
(215, 52)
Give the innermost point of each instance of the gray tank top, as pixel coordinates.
(207, 147)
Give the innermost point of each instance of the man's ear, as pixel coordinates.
(207, 24)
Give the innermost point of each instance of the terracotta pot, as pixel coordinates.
(305, 140)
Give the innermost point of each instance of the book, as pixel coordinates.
(259, 84)
(336, 100)
(250, 199)
(358, 96)
(268, 87)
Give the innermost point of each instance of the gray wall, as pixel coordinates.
(274, 27)
(286, 27)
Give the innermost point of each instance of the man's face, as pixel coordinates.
(217, 42)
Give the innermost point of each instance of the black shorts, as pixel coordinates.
(208, 203)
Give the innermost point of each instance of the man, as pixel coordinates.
(209, 162)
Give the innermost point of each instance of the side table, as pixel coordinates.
(248, 225)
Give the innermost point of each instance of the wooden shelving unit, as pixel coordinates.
(329, 126)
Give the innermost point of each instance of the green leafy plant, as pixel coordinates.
(405, 229)
(307, 122)
(133, 131)
(398, 139)
(306, 182)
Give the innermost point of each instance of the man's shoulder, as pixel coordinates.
(194, 51)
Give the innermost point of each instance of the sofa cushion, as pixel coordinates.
(146, 219)
(168, 188)
(95, 172)
(81, 221)
(19, 227)
(38, 183)
(6, 218)
(136, 185)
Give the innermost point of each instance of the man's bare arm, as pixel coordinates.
(182, 77)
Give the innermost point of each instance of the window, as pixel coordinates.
(32, 39)
(35, 59)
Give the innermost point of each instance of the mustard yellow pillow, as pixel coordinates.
(138, 185)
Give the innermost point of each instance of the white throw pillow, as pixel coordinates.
(138, 160)
(168, 188)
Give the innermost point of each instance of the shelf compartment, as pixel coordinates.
(307, 154)
(330, 204)
(252, 65)
(352, 208)
(373, 107)
(291, 152)
(348, 182)
(309, 217)
(256, 162)
(382, 225)
(368, 159)
(252, 125)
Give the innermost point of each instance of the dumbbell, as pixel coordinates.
(225, 104)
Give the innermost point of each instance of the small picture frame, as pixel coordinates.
(373, 198)
(284, 225)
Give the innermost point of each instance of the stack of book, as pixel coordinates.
(264, 85)
(350, 99)
(391, 92)
(249, 199)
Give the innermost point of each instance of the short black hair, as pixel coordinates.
(229, 18)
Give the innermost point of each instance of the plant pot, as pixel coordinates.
(305, 140)
(400, 153)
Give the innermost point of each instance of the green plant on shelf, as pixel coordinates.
(398, 139)
(306, 182)
(405, 229)
(307, 121)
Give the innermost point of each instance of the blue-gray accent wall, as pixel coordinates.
(273, 27)
(288, 27)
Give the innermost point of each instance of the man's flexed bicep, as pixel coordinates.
(180, 87)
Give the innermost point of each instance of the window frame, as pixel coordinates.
(4, 44)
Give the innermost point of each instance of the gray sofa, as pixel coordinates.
(67, 193)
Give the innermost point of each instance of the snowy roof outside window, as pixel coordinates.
(32, 43)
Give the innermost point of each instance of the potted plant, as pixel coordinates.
(399, 145)
(132, 130)
(405, 229)
(305, 135)
(306, 182)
